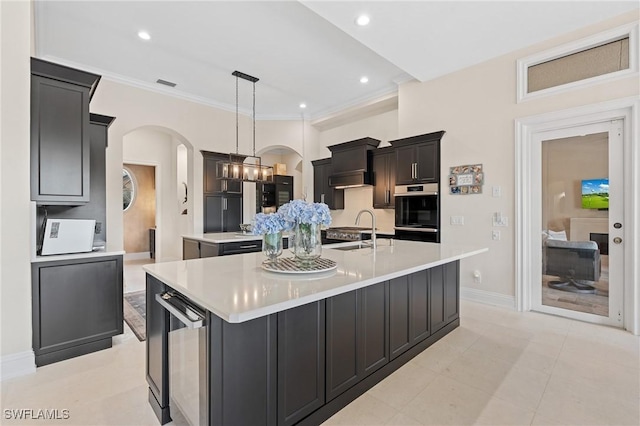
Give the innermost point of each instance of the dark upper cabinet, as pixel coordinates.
(322, 192)
(384, 175)
(60, 135)
(418, 158)
(222, 197)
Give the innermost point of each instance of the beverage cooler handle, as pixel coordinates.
(180, 310)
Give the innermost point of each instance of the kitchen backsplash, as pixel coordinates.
(356, 199)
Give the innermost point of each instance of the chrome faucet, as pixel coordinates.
(373, 225)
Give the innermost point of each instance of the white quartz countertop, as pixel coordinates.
(225, 237)
(237, 289)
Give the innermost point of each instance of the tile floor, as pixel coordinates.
(134, 275)
(499, 367)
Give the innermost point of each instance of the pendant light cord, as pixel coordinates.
(254, 118)
(237, 120)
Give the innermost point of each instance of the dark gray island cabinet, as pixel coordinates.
(291, 362)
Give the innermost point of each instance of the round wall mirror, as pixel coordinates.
(128, 189)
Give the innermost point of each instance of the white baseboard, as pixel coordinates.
(19, 364)
(487, 297)
(137, 256)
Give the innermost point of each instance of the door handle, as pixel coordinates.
(617, 240)
(322, 198)
(224, 204)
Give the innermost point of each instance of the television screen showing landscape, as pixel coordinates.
(595, 194)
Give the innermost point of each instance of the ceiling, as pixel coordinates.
(308, 52)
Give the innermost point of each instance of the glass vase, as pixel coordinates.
(272, 246)
(307, 242)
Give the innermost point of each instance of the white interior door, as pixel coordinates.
(582, 277)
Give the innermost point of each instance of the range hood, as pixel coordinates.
(351, 163)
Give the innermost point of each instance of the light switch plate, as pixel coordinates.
(497, 191)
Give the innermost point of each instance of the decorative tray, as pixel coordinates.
(290, 265)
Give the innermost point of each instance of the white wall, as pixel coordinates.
(477, 108)
(16, 356)
(383, 127)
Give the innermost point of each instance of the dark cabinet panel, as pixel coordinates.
(399, 319)
(373, 345)
(75, 304)
(243, 357)
(157, 367)
(451, 291)
(208, 249)
(436, 298)
(419, 328)
(405, 160)
(222, 213)
(384, 170)
(60, 136)
(322, 192)
(427, 159)
(418, 158)
(342, 343)
(59, 142)
(301, 361)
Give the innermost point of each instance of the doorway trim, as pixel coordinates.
(627, 109)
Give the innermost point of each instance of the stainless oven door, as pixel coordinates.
(188, 373)
(417, 211)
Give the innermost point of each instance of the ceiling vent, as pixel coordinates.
(165, 82)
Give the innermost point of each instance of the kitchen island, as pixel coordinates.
(296, 348)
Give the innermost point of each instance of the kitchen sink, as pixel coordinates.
(351, 247)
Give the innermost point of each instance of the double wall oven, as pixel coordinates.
(417, 212)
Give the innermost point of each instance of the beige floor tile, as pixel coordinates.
(366, 410)
(447, 402)
(437, 357)
(520, 386)
(567, 401)
(461, 338)
(403, 385)
(620, 381)
(403, 420)
(599, 351)
(498, 412)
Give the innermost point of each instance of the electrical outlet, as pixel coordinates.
(495, 235)
(98, 228)
(457, 220)
(477, 276)
(497, 191)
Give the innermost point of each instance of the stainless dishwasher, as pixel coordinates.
(188, 364)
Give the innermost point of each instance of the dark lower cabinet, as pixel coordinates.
(373, 345)
(76, 307)
(419, 310)
(444, 287)
(399, 316)
(222, 213)
(301, 362)
(451, 291)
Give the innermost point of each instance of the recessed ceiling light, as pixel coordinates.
(363, 20)
(364, 79)
(144, 35)
(303, 105)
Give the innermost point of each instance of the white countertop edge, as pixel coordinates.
(76, 256)
(218, 238)
(293, 303)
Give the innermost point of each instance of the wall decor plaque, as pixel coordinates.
(464, 180)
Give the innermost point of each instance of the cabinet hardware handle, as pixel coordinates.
(224, 204)
(248, 247)
(416, 171)
(322, 198)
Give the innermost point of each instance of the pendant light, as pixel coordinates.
(246, 168)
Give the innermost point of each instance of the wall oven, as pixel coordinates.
(417, 214)
(188, 359)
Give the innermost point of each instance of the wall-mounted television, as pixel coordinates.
(595, 194)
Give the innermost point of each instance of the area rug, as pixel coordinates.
(135, 313)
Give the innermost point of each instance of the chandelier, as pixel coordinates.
(246, 168)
